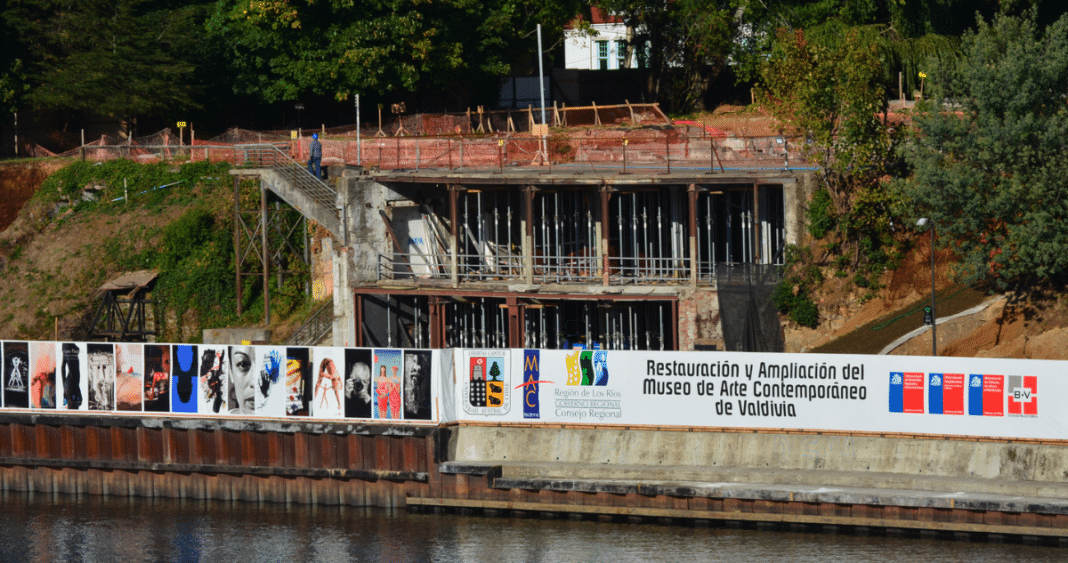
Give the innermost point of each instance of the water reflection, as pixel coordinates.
(50, 528)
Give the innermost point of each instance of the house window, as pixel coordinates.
(621, 54)
(602, 55)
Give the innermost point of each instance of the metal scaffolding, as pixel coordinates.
(641, 235)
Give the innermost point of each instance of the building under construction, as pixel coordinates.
(661, 238)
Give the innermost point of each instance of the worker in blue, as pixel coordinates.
(315, 157)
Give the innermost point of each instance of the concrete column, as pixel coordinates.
(345, 315)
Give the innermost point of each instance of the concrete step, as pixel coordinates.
(860, 487)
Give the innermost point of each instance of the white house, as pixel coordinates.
(606, 50)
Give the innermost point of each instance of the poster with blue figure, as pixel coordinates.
(184, 380)
(600, 368)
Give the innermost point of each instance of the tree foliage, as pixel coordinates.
(834, 99)
(990, 153)
(280, 49)
(118, 58)
(681, 45)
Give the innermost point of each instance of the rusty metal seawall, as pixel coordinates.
(322, 463)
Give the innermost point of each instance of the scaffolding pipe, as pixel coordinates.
(661, 261)
(661, 309)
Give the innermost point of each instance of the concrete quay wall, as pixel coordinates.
(1036, 468)
(949, 486)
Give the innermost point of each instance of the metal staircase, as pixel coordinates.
(317, 329)
(292, 182)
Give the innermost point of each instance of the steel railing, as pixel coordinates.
(318, 326)
(270, 155)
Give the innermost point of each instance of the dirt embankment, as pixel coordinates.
(18, 182)
(972, 321)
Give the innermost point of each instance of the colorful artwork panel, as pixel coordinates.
(257, 386)
(358, 383)
(387, 384)
(43, 378)
(157, 380)
(185, 380)
(326, 401)
(129, 373)
(298, 382)
(213, 385)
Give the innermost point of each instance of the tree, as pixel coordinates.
(119, 58)
(279, 49)
(682, 45)
(990, 152)
(834, 99)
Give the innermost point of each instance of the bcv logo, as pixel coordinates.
(1023, 395)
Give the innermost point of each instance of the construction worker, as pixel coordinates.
(315, 156)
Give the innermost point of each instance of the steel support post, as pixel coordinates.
(692, 212)
(454, 261)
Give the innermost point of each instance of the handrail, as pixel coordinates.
(315, 329)
(272, 155)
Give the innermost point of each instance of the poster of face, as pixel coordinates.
(255, 381)
(326, 401)
(157, 381)
(129, 368)
(358, 383)
(16, 375)
(417, 385)
(298, 382)
(184, 379)
(75, 385)
(387, 385)
(241, 393)
(213, 384)
(270, 383)
(43, 380)
(100, 361)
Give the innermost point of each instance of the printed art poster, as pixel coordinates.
(387, 385)
(16, 375)
(298, 382)
(157, 380)
(358, 383)
(184, 379)
(129, 363)
(417, 384)
(43, 380)
(486, 387)
(75, 384)
(213, 383)
(265, 380)
(326, 401)
(100, 362)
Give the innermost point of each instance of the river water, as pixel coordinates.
(68, 528)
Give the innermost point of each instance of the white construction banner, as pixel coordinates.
(852, 393)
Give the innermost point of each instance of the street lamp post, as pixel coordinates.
(934, 323)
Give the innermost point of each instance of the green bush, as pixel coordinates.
(820, 214)
(792, 294)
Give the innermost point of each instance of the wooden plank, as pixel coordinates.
(646, 512)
